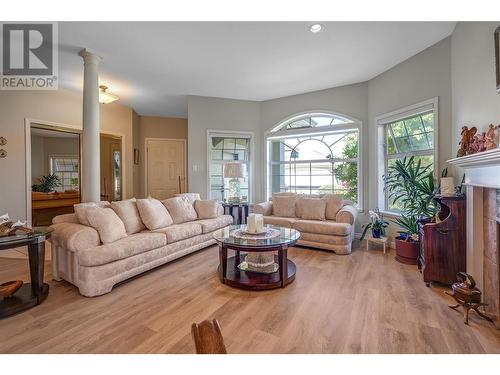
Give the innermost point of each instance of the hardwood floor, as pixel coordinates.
(362, 303)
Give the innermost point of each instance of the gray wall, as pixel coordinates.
(351, 100)
(205, 113)
(475, 100)
(423, 76)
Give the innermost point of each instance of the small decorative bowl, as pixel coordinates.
(9, 288)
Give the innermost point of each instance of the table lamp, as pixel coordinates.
(234, 171)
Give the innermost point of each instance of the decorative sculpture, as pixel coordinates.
(8, 228)
(467, 141)
(467, 295)
(490, 137)
(9, 288)
(472, 143)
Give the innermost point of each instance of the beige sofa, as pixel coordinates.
(324, 222)
(80, 257)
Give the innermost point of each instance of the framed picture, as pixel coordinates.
(497, 57)
(136, 156)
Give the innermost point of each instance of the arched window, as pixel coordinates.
(315, 153)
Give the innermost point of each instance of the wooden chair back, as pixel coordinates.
(208, 337)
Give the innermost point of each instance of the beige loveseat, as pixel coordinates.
(80, 257)
(324, 222)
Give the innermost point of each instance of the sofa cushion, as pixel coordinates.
(128, 213)
(334, 203)
(74, 237)
(153, 213)
(126, 247)
(310, 208)
(206, 209)
(179, 232)
(209, 225)
(284, 206)
(107, 223)
(82, 208)
(181, 209)
(286, 222)
(191, 197)
(323, 227)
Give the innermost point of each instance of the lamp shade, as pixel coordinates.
(235, 170)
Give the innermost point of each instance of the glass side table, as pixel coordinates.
(33, 293)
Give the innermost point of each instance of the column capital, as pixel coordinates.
(90, 56)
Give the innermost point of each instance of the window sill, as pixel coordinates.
(391, 214)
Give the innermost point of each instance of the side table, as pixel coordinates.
(33, 293)
(381, 240)
(239, 211)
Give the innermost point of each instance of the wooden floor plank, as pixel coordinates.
(362, 303)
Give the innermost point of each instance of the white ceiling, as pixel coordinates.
(153, 66)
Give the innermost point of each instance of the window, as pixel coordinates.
(225, 149)
(67, 169)
(405, 133)
(315, 154)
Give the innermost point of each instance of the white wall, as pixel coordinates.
(206, 113)
(475, 100)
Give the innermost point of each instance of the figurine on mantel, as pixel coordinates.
(472, 143)
(490, 137)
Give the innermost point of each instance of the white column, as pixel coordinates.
(91, 173)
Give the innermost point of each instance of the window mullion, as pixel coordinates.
(393, 139)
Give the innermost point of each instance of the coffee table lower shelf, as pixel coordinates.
(254, 280)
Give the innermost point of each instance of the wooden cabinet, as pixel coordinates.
(44, 206)
(443, 244)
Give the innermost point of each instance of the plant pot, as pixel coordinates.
(376, 232)
(407, 252)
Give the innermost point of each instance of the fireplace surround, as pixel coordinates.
(482, 180)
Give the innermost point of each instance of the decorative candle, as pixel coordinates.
(447, 186)
(251, 224)
(259, 223)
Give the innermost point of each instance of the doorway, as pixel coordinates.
(54, 172)
(111, 168)
(165, 167)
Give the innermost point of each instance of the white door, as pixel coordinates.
(165, 167)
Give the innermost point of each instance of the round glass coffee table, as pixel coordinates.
(264, 263)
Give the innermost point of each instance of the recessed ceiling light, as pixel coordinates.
(316, 28)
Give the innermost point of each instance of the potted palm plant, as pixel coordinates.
(410, 185)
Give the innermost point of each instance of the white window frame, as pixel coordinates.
(397, 115)
(52, 158)
(250, 163)
(274, 133)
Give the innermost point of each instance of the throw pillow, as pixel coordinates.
(334, 203)
(107, 223)
(82, 208)
(128, 213)
(206, 209)
(311, 208)
(192, 197)
(180, 209)
(153, 213)
(284, 206)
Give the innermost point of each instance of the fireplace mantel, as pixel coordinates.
(481, 169)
